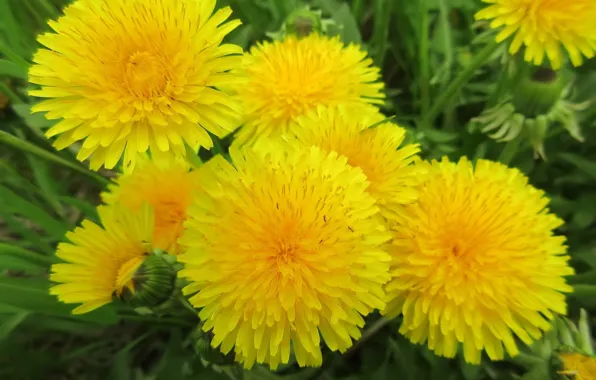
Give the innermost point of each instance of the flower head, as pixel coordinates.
(128, 76)
(375, 150)
(102, 261)
(167, 186)
(475, 261)
(284, 79)
(543, 26)
(282, 247)
(578, 366)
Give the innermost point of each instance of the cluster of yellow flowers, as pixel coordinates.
(320, 216)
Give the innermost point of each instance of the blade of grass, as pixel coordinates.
(21, 206)
(11, 323)
(30, 148)
(459, 81)
(36, 258)
(423, 59)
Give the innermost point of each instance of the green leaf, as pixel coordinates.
(11, 69)
(33, 295)
(11, 323)
(34, 120)
(587, 166)
(20, 206)
(27, 147)
(34, 259)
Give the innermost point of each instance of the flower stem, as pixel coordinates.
(424, 76)
(509, 151)
(459, 81)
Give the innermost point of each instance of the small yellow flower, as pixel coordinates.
(578, 366)
(542, 26)
(282, 247)
(101, 261)
(128, 76)
(393, 180)
(167, 185)
(283, 80)
(475, 261)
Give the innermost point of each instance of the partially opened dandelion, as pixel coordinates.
(285, 79)
(281, 248)
(128, 76)
(544, 26)
(167, 185)
(111, 260)
(476, 261)
(378, 151)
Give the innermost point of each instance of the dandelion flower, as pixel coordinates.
(475, 261)
(542, 26)
(282, 80)
(578, 366)
(128, 76)
(166, 185)
(101, 261)
(375, 150)
(282, 247)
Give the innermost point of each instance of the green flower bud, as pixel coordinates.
(202, 345)
(152, 284)
(537, 93)
(303, 22)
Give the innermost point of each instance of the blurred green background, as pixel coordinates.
(421, 46)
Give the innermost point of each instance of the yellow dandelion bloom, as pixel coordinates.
(101, 261)
(282, 247)
(166, 185)
(542, 26)
(475, 261)
(128, 76)
(283, 80)
(376, 150)
(578, 366)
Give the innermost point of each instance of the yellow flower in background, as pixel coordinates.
(128, 76)
(475, 261)
(376, 150)
(543, 26)
(578, 366)
(281, 248)
(101, 261)
(167, 185)
(284, 79)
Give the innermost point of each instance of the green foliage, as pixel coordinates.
(421, 46)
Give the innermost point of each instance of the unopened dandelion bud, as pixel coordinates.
(538, 92)
(203, 347)
(303, 22)
(152, 284)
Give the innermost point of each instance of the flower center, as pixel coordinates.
(126, 274)
(145, 75)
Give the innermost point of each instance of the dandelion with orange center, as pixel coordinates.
(542, 26)
(167, 185)
(282, 247)
(128, 76)
(101, 261)
(367, 145)
(285, 79)
(475, 261)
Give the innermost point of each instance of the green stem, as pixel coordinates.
(30, 148)
(357, 10)
(423, 50)
(459, 81)
(509, 151)
(10, 94)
